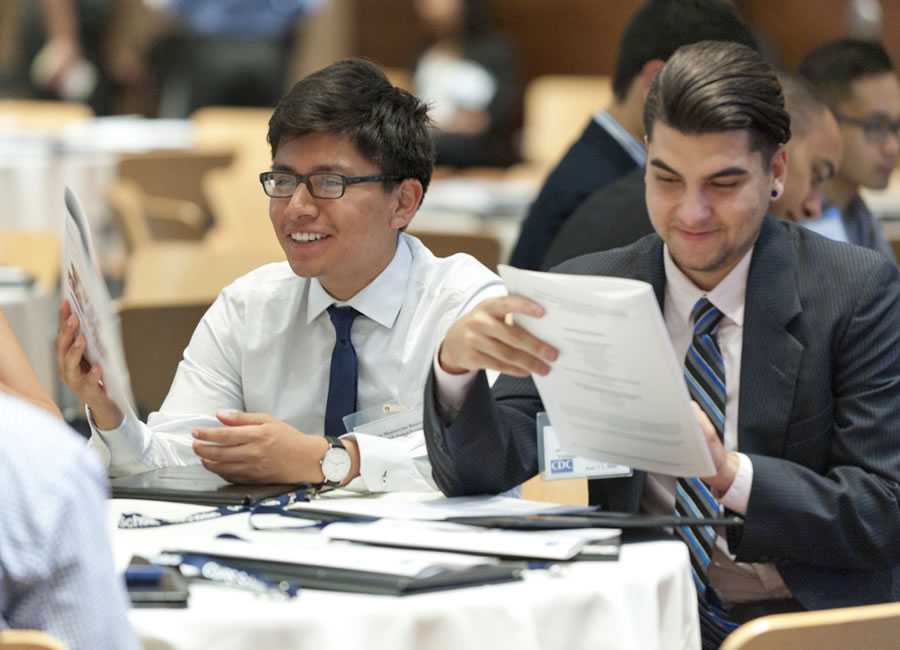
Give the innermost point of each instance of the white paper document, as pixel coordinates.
(84, 288)
(445, 536)
(315, 552)
(616, 392)
(423, 506)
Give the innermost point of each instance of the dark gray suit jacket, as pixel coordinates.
(819, 415)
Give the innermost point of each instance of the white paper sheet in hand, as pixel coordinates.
(616, 392)
(84, 288)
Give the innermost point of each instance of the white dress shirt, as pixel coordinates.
(265, 346)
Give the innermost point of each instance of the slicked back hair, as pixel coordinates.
(660, 27)
(714, 87)
(353, 98)
(832, 67)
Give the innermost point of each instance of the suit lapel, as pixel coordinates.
(770, 357)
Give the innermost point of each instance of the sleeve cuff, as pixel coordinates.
(738, 495)
(125, 444)
(393, 464)
(451, 389)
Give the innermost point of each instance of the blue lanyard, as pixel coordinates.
(198, 566)
(134, 520)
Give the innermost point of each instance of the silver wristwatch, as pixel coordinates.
(336, 462)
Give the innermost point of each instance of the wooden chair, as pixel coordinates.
(484, 248)
(154, 337)
(243, 130)
(29, 640)
(181, 272)
(174, 174)
(145, 220)
(41, 115)
(872, 627)
(557, 107)
(37, 252)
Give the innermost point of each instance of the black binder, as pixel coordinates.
(194, 484)
(312, 576)
(585, 518)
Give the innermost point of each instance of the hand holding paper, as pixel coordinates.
(487, 338)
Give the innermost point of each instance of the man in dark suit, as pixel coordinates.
(610, 145)
(617, 214)
(799, 404)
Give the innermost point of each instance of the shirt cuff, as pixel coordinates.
(451, 389)
(738, 495)
(393, 464)
(125, 444)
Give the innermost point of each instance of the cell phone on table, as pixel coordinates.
(151, 585)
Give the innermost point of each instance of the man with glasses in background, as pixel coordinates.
(859, 83)
(349, 323)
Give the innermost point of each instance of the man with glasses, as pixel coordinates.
(349, 323)
(859, 83)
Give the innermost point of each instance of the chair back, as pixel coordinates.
(29, 640)
(181, 272)
(871, 627)
(42, 115)
(154, 337)
(557, 107)
(38, 252)
(484, 248)
(173, 174)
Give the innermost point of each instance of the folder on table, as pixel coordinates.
(353, 567)
(194, 484)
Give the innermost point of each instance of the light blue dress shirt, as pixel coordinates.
(56, 564)
(830, 224)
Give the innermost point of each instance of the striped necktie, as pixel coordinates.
(704, 372)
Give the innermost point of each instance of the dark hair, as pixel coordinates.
(662, 26)
(353, 98)
(801, 103)
(713, 86)
(832, 67)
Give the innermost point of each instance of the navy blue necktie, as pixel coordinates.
(342, 382)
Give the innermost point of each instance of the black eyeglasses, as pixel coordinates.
(321, 185)
(875, 129)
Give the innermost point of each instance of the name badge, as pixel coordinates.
(555, 464)
(394, 419)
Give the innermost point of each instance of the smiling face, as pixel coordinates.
(812, 159)
(344, 242)
(707, 196)
(869, 163)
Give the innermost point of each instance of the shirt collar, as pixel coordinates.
(620, 134)
(727, 296)
(379, 301)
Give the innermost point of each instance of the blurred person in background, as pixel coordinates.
(56, 565)
(858, 81)
(469, 74)
(611, 144)
(617, 215)
(225, 52)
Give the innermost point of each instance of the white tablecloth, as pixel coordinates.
(644, 601)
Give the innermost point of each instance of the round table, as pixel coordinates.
(644, 601)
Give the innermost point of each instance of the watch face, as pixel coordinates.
(336, 464)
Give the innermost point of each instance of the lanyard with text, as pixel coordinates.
(130, 520)
(215, 570)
